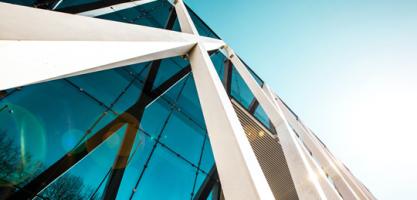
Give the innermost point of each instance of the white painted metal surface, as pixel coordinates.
(57, 45)
(297, 161)
(186, 24)
(239, 171)
(348, 188)
(39, 61)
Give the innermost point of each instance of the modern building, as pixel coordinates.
(106, 99)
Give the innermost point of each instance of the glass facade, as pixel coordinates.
(47, 123)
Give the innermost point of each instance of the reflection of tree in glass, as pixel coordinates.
(15, 172)
(67, 187)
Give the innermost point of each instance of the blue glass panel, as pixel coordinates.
(107, 85)
(200, 179)
(201, 26)
(262, 117)
(240, 91)
(21, 2)
(168, 68)
(176, 26)
(141, 150)
(189, 103)
(157, 112)
(218, 60)
(46, 120)
(167, 177)
(207, 161)
(89, 174)
(154, 117)
(153, 14)
(184, 137)
(139, 71)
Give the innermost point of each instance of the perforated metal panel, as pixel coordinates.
(269, 154)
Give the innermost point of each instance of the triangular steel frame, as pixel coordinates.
(40, 45)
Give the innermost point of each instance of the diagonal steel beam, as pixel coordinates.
(235, 160)
(129, 117)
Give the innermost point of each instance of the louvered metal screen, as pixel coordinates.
(269, 154)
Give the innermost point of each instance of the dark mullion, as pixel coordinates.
(173, 151)
(209, 183)
(5, 93)
(227, 76)
(117, 171)
(155, 145)
(216, 191)
(174, 79)
(171, 81)
(253, 106)
(199, 165)
(90, 96)
(150, 154)
(73, 157)
(119, 166)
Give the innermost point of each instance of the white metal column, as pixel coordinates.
(297, 161)
(344, 174)
(239, 171)
(319, 153)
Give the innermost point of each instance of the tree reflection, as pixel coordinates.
(16, 172)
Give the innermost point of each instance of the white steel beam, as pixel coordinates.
(319, 153)
(320, 176)
(211, 43)
(239, 171)
(25, 23)
(353, 182)
(238, 168)
(58, 45)
(28, 62)
(186, 23)
(297, 161)
(114, 8)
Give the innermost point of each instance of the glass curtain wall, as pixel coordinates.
(171, 156)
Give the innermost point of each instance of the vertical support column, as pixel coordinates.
(298, 164)
(239, 171)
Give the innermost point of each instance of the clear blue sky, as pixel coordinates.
(348, 68)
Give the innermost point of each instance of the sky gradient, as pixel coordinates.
(347, 68)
